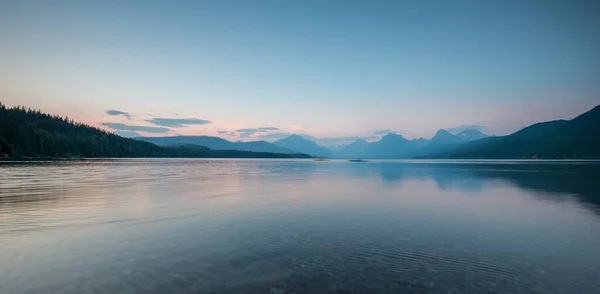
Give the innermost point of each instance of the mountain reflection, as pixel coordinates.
(66, 181)
(551, 181)
(232, 226)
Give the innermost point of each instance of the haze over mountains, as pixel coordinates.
(389, 146)
(296, 142)
(216, 143)
(577, 138)
(396, 146)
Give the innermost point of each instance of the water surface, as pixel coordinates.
(299, 226)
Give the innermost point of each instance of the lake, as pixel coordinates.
(299, 226)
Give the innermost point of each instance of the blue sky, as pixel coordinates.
(329, 69)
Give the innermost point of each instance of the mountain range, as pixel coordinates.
(296, 142)
(389, 146)
(30, 133)
(577, 138)
(396, 146)
(216, 143)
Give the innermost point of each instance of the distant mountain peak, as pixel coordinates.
(359, 142)
(295, 136)
(443, 134)
(300, 144)
(443, 137)
(392, 137)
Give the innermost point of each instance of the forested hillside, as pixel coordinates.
(578, 138)
(31, 133)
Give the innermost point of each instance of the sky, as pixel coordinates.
(332, 70)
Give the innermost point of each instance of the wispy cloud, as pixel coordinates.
(257, 130)
(118, 112)
(177, 122)
(268, 129)
(382, 132)
(457, 130)
(247, 130)
(124, 127)
(228, 133)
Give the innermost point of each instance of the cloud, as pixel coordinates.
(383, 132)
(247, 130)
(177, 122)
(124, 127)
(228, 133)
(117, 112)
(246, 133)
(257, 130)
(127, 134)
(457, 130)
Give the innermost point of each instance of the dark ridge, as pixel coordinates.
(27, 133)
(578, 138)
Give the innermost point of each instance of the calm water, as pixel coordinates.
(285, 226)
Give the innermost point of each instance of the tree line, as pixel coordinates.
(26, 132)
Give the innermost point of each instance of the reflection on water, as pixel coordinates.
(299, 226)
